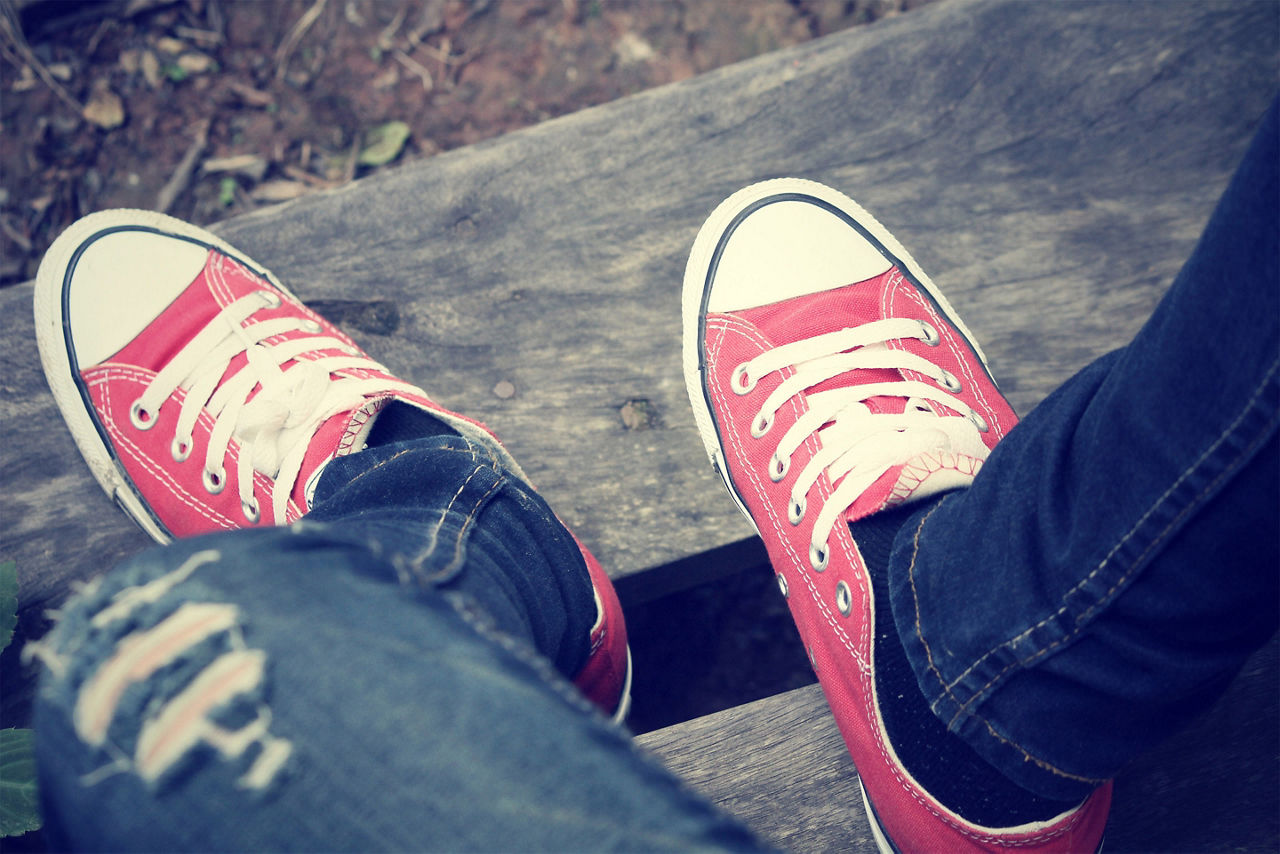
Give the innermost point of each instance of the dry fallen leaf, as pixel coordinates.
(151, 69)
(251, 166)
(104, 108)
(279, 191)
(195, 63)
(131, 60)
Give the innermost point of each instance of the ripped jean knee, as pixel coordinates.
(151, 672)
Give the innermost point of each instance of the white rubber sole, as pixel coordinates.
(698, 269)
(877, 832)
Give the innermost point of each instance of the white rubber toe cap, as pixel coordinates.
(785, 246)
(120, 282)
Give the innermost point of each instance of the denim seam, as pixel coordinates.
(415, 564)
(1084, 616)
(947, 689)
(1157, 540)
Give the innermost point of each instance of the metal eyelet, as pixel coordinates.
(180, 449)
(761, 426)
(978, 421)
(782, 585)
(778, 467)
(741, 382)
(930, 335)
(214, 481)
(819, 557)
(950, 382)
(251, 511)
(141, 419)
(795, 510)
(312, 327)
(844, 598)
(270, 299)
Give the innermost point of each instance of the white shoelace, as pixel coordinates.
(275, 428)
(857, 445)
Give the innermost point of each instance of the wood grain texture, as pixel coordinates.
(1050, 164)
(780, 766)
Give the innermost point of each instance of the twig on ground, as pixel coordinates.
(349, 173)
(387, 37)
(417, 68)
(295, 35)
(186, 168)
(300, 174)
(16, 50)
(16, 236)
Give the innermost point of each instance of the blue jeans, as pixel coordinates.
(1117, 557)
(389, 673)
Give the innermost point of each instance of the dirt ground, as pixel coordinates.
(210, 108)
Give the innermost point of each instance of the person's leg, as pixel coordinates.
(295, 689)
(1117, 557)
(833, 384)
(205, 397)
(830, 379)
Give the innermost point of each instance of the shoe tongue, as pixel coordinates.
(952, 464)
(342, 434)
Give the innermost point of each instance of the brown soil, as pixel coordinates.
(210, 108)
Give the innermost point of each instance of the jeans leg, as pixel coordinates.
(277, 690)
(449, 518)
(1117, 558)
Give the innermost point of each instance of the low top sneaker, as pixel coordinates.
(205, 396)
(831, 380)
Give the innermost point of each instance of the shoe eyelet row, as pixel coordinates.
(251, 511)
(844, 598)
(929, 335)
(819, 557)
(270, 299)
(214, 481)
(782, 585)
(950, 382)
(796, 509)
(778, 467)
(760, 426)
(180, 448)
(978, 421)
(740, 381)
(141, 418)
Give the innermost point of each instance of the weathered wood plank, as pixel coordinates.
(1050, 165)
(780, 766)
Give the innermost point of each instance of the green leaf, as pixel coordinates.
(227, 191)
(8, 601)
(19, 804)
(383, 143)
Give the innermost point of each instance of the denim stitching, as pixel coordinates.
(947, 689)
(1248, 408)
(1080, 621)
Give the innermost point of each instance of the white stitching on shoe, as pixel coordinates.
(103, 378)
(959, 350)
(717, 327)
(724, 325)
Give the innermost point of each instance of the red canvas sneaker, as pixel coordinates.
(204, 396)
(830, 379)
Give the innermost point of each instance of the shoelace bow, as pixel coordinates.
(275, 427)
(857, 445)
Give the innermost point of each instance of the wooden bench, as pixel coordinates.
(1051, 165)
